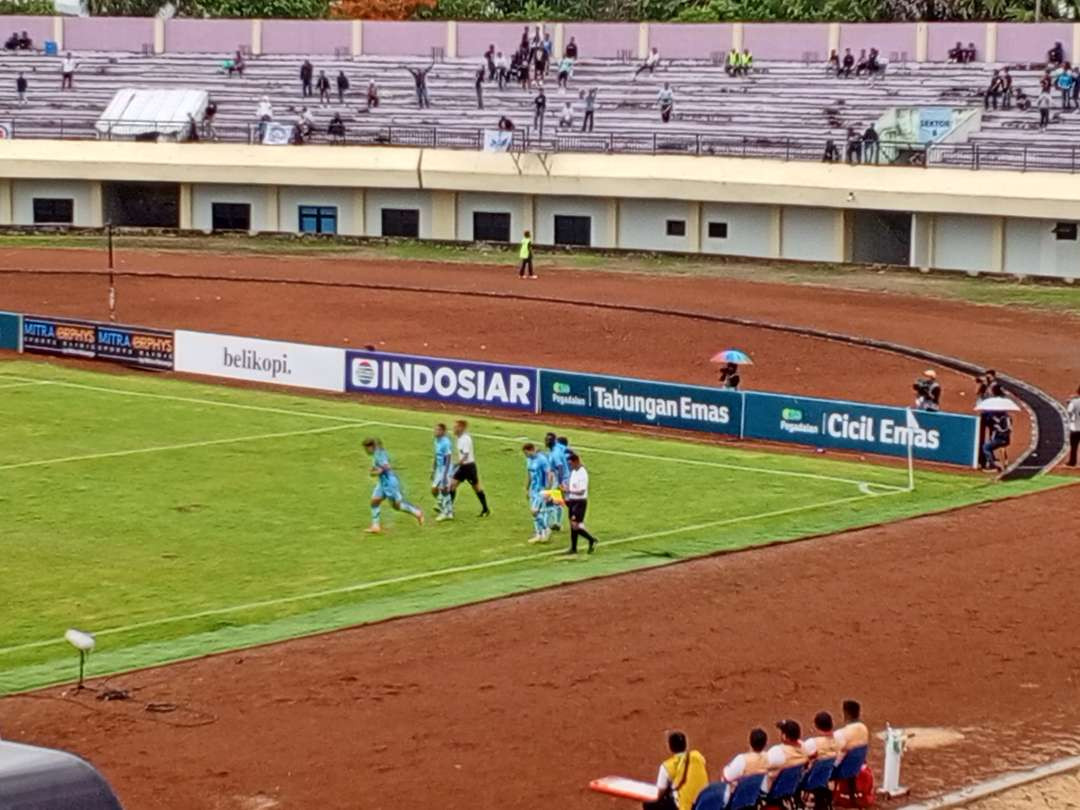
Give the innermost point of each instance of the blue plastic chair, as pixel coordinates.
(785, 786)
(851, 764)
(816, 783)
(746, 792)
(711, 797)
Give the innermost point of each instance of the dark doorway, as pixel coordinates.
(573, 230)
(881, 237)
(142, 205)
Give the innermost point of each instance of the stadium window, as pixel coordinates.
(718, 230)
(318, 219)
(573, 230)
(676, 227)
(226, 216)
(52, 211)
(401, 222)
(1065, 231)
(488, 226)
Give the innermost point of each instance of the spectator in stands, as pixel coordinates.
(832, 65)
(423, 100)
(502, 69)
(786, 753)
(730, 377)
(12, 42)
(999, 436)
(1022, 99)
(208, 120)
(566, 117)
(969, 55)
(566, 68)
(666, 99)
(1056, 55)
(823, 744)
(504, 124)
(847, 65)
(238, 64)
(1046, 81)
(683, 775)
(478, 83)
(548, 45)
(873, 62)
(746, 62)
(489, 61)
(731, 66)
(67, 72)
(372, 95)
(861, 63)
(25, 43)
(540, 64)
(832, 152)
(650, 63)
(958, 54)
(537, 41)
(342, 86)
(1076, 87)
(927, 391)
(322, 84)
(1065, 85)
(305, 124)
(21, 86)
(523, 47)
(1073, 411)
(589, 101)
(336, 129)
(571, 51)
(1006, 89)
(1043, 104)
(193, 129)
(307, 73)
(264, 114)
(539, 108)
(748, 763)
(854, 733)
(870, 141)
(993, 91)
(854, 146)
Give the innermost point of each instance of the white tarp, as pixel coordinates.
(135, 112)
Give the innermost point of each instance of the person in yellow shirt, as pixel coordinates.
(525, 253)
(681, 778)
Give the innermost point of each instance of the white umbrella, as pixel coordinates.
(996, 405)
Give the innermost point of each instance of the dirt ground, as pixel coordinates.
(1055, 793)
(959, 622)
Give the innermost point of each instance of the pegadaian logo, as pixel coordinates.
(560, 388)
(791, 415)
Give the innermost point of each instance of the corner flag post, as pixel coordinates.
(912, 426)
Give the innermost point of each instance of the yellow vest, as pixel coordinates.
(696, 778)
(526, 248)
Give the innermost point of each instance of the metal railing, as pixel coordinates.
(977, 155)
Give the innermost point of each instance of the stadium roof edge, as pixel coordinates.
(707, 179)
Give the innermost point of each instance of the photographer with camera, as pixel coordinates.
(927, 392)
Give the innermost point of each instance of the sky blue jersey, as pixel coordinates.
(381, 459)
(443, 451)
(558, 456)
(538, 467)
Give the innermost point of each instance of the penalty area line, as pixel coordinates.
(458, 569)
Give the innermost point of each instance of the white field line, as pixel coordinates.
(23, 384)
(458, 569)
(186, 445)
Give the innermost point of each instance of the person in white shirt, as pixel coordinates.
(666, 99)
(566, 117)
(823, 745)
(854, 733)
(786, 753)
(466, 467)
(577, 503)
(747, 764)
(650, 63)
(67, 72)
(1074, 428)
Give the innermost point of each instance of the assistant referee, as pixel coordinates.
(577, 503)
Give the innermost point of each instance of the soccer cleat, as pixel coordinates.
(373, 530)
(592, 545)
(536, 539)
(556, 527)
(444, 516)
(485, 513)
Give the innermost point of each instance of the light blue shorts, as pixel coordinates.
(537, 501)
(441, 478)
(388, 490)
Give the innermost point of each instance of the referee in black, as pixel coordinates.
(577, 502)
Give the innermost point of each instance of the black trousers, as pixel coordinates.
(587, 124)
(526, 264)
(1074, 446)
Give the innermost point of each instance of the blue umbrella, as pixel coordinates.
(736, 356)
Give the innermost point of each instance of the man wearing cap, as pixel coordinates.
(786, 753)
(927, 392)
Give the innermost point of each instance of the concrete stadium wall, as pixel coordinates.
(992, 223)
(994, 42)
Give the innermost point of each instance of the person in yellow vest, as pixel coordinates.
(854, 732)
(786, 753)
(747, 764)
(525, 253)
(823, 744)
(732, 66)
(681, 778)
(746, 61)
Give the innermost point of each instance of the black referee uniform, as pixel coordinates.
(577, 503)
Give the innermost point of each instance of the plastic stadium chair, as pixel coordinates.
(711, 797)
(747, 792)
(816, 783)
(785, 786)
(844, 774)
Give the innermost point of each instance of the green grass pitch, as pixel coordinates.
(174, 519)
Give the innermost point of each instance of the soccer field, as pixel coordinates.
(174, 519)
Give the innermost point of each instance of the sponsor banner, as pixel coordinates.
(461, 381)
(119, 344)
(10, 331)
(947, 438)
(256, 360)
(647, 402)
